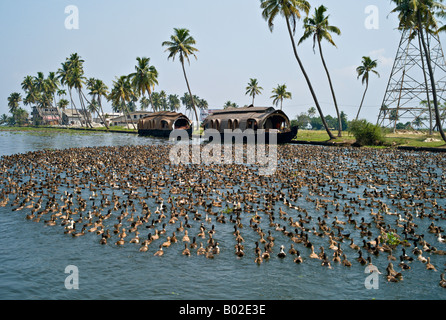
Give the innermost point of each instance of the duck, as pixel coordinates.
(167, 243)
(282, 253)
(298, 258)
(405, 256)
(292, 250)
(313, 255)
(120, 242)
(392, 275)
(160, 252)
(326, 262)
(201, 250)
(135, 239)
(144, 247)
(345, 262)
(440, 238)
(390, 257)
(239, 252)
(360, 258)
(442, 282)
(258, 258)
(266, 255)
(103, 240)
(186, 251)
(403, 265)
(429, 265)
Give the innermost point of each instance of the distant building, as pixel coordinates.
(74, 117)
(45, 116)
(132, 117)
(206, 112)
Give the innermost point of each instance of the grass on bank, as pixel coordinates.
(399, 138)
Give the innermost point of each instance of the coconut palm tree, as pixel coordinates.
(279, 94)
(70, 74)
(182, 44)
(368, 65)
(63, 103)
(98, 89)
(291, 11)
(318, 27)
(144, 78)
(121, 94)
(174, 102)
(253, 89)
(230, 104)
(420, 16)
(144, 103)
(14, 100)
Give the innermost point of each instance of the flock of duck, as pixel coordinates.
(337, 206)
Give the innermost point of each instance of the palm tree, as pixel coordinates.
(181, 43)
(311, 112)
(291, 11)
(279, 94)
(121, 94)
(368, 65)
(97, 90)
(173, 102)
(229, 104)
(420, 15)
(63, 103)
(71, 75)
(253, 89)
(3, 119)
(14, 100)
(53, 86)
(144, 78)
(145, 103)
(318, 27)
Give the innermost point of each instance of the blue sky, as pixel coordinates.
(234, 45)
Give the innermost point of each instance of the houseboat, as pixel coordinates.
(255, 118)
(161, 124)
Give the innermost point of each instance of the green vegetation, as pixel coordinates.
(366, 134)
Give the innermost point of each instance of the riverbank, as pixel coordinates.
(401, 139)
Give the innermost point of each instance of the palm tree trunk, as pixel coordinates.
(427, 87)
(102, 112)
(331, 88)
(87, 121)
(308, 82)
(431, 76)
(191, 96)
(128, 113)
(151, 101)
(73, 105)
(363, 96)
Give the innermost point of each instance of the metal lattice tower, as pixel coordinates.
(408, 97)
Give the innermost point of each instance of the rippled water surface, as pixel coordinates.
(34, 257)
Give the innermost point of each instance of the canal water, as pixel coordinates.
(34, 258)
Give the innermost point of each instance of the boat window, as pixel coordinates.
(230, 124)
(251, 124)
(276, 122)
(235, 124)
(164, 124)
(181, 124)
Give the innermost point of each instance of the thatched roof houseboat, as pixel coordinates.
(251, 117)
(160, 124)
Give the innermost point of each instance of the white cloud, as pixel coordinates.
(382, 59)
